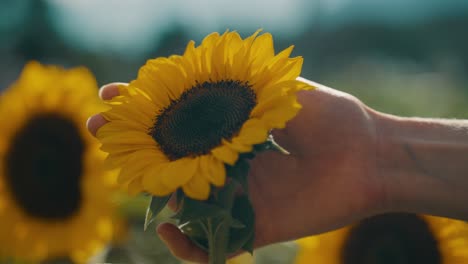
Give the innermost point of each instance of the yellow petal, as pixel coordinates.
(129, 172)
(248, 41)
(284, 69)
(126, 137)
(254, 131)
(138, 162)
(272, 101)
(197, 188)
(213, 169)
(163, 79)
(242, 62)
(134, 187)
(187, 67)
(152, 181)
(218, 59)
(114, 161)
(120, 149)
(158, 94)
(282, 55)
(192, 57)
(233, 44)
(132, 112)
(262, 50)
(237, 145)
(288, 70)
(226, 154)
(209, 40)
(178, 172)
(285, 110)
(207, 47)
(269, 92)
(120, 126)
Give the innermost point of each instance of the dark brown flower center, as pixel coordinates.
(201, 117)
(397, 238)
(43, 167)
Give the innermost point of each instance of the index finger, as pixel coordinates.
(109, 91)
(106, 92)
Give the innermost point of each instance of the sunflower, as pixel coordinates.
(390, 238)
(185, 117)
(54, 193)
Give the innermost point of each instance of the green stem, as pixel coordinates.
(218, 238)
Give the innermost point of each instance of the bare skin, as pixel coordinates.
(338, 171)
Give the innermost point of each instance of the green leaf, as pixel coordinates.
(240, 172)
(248, 155)
(201, 242)
(240, 225)
(193, 210)
(225, 195)
(249, 245)
(243, 212)
(155, 206)
(262, 147)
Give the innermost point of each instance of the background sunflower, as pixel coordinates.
(390, 238)
(54, 193)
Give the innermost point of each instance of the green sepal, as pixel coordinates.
(193, 210)
(225, 196)
(196, 234)
(243, 212)
(241, 226)
(249, 245)
(239, 172)
(155, 206)
(247, 155)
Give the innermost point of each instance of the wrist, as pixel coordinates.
(422, 164)
(391, 160)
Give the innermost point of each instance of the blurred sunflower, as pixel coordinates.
(185, 117)
(54, 194)
(397, 238)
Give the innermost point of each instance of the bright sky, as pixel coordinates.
(135, 25)
(117, 25)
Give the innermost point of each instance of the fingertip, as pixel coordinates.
(179, 244)
(110, 90)
(168, 232)
(163, 228)
(94, 123)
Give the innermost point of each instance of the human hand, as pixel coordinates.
(329, 179)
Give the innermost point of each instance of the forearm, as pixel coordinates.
(424, 164)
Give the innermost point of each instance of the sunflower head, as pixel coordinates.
(185, 117)
(390, 238)
(54, 193)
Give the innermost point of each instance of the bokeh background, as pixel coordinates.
(405, 57)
